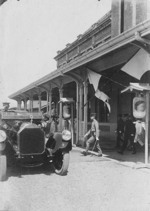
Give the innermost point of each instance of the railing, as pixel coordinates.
(95, 36)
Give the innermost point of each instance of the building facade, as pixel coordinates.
(105, 48)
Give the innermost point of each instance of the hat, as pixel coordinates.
(93, 115)
(46, 116)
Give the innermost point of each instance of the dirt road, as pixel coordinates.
(92, 184)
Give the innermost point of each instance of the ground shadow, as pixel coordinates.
(19, 171)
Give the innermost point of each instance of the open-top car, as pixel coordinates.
(23, 131)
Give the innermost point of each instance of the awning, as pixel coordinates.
(136, 86)
(138, 64)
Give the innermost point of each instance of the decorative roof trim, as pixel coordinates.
(111, 45)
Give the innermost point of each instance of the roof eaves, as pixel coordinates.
(107, 47)
(84, 35)
(38, 82)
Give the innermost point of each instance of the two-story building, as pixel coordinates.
(105, 48)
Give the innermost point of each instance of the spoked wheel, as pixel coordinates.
(61, 162)
(3, 167)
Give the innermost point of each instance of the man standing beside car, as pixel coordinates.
(94, 133)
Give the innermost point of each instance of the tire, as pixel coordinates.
(61, 163)
(3, 167)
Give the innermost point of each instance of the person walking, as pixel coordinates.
(94, 133)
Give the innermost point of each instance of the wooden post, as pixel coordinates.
(31, 104)
(60, 109)
(146, 127)
(25, 104)
(86, 106)
(72, 124)
(77, 113)
(47, 99)
(81, 112)
(19, 104)
(39, 97)
(50, 101)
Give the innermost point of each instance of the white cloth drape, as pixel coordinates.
(138, 64)
(102, 96)
(94, 80)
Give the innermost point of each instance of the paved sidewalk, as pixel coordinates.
(136, 161)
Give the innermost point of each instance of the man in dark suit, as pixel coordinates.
(120, 131)
(129, 133)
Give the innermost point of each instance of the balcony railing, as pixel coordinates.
(99, 33)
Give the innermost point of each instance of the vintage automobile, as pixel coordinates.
(23, 131)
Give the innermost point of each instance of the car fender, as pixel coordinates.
(60, 144)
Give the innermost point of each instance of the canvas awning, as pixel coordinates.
(138, 64)
(137, 86)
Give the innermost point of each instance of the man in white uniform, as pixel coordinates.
(94, 133)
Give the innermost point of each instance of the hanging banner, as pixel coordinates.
(94, 79)
(102, 96)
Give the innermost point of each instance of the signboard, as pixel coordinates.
(139, 107)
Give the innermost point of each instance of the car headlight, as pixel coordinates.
(3, 136)
(66, 135)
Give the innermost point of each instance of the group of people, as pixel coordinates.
(129, 132)
(49, 124)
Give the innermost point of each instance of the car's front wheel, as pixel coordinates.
(3, 167)
(61, 162)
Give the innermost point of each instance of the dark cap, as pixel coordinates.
(93, 115)
(46, 116)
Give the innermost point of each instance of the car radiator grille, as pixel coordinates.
(31, 141)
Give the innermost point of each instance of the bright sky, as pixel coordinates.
(31, 33)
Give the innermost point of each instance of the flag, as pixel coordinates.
(138, 64)
(94, 79)
(102, 96)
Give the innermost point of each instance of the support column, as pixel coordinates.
(77, 113)
(47, 98)
(50, 101)
(39, 97)
(60, 108)
(31, 104)
(147, 128)
(85, 105)
(80, 105)
(25, 104)
(81, 112)
(19, 104)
